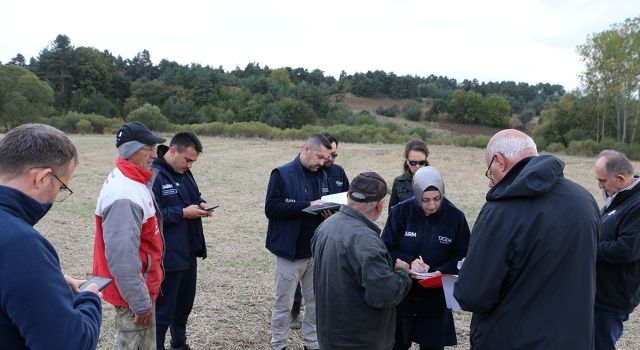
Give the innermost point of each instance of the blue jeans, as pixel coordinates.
(608, 328)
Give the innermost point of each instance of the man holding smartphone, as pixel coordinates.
(38, 307)
(182, 208)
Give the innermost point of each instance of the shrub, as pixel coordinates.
(412, 110)
(555, 147)
(584, 148)
(151, 116)
(98, 124)
(390, 111)
(83, 126)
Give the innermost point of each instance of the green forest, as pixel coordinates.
(86, 90)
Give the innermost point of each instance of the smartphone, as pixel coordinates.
(101, 282)
(211, 208)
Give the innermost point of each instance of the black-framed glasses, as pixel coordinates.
(418, 162)
(334, 155)
(488, 173)
(64, 191)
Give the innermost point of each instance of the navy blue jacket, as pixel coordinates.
(334, 180)
(618, 262)
(183, 239)
(288, 193)
(441, 239)
(37, 308)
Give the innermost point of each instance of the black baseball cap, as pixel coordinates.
(367, 187)
(136, 131)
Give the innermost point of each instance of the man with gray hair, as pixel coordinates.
(293, 187)
(618, 261)
(356, 285)
(40, 308)
(529, 274)
(129, 246)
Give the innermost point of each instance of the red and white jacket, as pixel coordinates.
(129, 246)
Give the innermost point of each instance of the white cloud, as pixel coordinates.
(528, 40)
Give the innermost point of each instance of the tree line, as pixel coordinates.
(89, 81)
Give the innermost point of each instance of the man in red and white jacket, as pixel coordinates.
(129, 245)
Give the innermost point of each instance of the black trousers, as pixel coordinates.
(174, 305)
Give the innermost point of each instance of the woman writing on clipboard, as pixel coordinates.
(432, 235)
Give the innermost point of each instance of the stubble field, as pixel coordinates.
(235, 283)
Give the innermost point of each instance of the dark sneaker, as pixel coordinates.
(184, 347)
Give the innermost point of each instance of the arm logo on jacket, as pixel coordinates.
(410, 234)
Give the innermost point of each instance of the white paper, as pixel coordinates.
(447, 286)
(340, 198)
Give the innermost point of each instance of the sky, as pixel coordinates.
(528, 41)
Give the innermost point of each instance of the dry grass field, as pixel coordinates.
(235, 284)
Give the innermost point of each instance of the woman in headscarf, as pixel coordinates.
(432, 235)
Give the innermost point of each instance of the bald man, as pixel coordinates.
(529, 274)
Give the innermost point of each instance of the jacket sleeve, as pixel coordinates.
(170, 215)
(392, 236)
(459, 249)
(486, 264)
(38, 301)
(382, 287)
(626, 247)
(121, 227)
(276, 206)
(393, 200)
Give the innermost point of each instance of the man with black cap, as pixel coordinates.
(355, 284)
(128, 245)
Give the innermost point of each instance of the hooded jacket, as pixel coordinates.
(184, 239)
(618, 266)
(529, 274)
(37, 308)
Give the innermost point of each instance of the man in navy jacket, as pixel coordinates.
(40, 308)
(618, 262)
(334, 180)
(293, 187)
(182, 209)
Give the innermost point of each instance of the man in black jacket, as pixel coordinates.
(529, 274)
(618, 262)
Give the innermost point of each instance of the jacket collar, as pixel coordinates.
(133, 171)
(22, 206)
(354, 213)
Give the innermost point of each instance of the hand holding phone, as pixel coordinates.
(101, 282)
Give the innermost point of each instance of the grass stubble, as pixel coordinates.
(235, 283)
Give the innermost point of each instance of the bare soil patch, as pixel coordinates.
(235, 283)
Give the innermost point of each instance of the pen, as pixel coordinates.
(422, 261)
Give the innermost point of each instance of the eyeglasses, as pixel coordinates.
(488, 173)
(418, 162)
(64, 191)
(334, 155)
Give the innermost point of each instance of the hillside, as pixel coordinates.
(443, 125)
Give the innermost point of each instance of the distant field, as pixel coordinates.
(235, 284)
